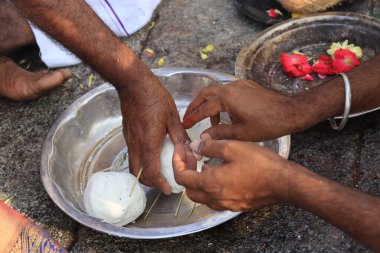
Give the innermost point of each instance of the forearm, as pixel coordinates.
(78, 28)
(328, 100)
(356, 213)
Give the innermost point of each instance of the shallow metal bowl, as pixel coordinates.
(311, 35)
(88, 136)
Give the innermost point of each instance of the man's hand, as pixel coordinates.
(149, 112)
(251, 108)
(253, 177)
(248, 178)
(260, 114)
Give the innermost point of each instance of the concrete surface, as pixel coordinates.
(182, 28)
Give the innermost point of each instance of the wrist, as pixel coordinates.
(299, 184)
(319, 103)
(280, 182)
(127, 68)
(137, 79)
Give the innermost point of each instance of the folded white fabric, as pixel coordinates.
(123, 17)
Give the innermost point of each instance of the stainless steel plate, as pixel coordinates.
(87, 137)
(311, 35)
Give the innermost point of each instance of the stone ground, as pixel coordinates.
(181, 28)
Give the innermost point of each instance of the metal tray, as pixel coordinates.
(311, 35)
(87, 137)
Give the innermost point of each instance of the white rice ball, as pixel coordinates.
(106, 197)
(168, 150)
(167, 166)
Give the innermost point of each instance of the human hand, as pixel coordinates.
(149, 112)
(256, 113)
(251, 176)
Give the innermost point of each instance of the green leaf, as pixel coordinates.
(376, 15)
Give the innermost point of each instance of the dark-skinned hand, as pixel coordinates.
(252, 109)
(245, 181)
(149, 112)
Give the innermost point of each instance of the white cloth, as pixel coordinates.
(123, 17)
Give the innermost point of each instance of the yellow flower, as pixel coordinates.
(344, 45)
(161, 62)
(203, 55)
(208, 49)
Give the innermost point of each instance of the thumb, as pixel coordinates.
(216, 149)
(183, 170)
(222, 132)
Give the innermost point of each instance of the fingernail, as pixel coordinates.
(194, 145)
(167, 192)
(205, 136)
(197, 156)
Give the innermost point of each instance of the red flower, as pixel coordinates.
(344, 61)
(295, 65)
(273, 13)
(324, 65)
(308, 78)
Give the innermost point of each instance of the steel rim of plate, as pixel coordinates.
(138, 233)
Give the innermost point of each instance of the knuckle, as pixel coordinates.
(225, 93)
(238, 133)
(191, 195)
(206, 144)
(201, 111)
(219, 132)
(202, 93)
(227, 148)
(212, 188)
(201, 183)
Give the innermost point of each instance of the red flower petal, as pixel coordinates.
(272, 13)
(308, 78)
(323, 65)
(344, 61)
(295, 65)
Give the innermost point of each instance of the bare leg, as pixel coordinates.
(15, 82)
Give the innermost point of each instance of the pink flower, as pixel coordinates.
(344, 61)
(308, 78)
(295, 65)
(324, 65)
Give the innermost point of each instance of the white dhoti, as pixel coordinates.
(123, 17)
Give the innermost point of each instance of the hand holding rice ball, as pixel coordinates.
(168, 150)
(107, 195)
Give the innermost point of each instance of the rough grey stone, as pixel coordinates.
(182, 28)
